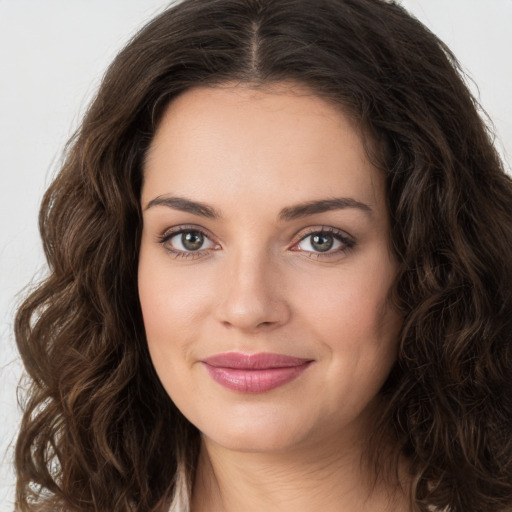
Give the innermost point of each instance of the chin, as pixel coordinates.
(261, 441)
(262, 432)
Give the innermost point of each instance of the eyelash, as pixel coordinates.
(348, 242)
(177, 253)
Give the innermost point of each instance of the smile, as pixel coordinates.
(254, 373)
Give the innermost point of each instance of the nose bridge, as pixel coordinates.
(252, 292)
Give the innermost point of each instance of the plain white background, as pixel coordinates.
(53, 54)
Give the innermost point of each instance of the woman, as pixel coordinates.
(280, 275)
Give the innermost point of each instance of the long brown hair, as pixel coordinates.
(99, 433)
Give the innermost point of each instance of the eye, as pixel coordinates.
(325, 241)
(185, 242)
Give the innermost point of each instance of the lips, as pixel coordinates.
(254, 373)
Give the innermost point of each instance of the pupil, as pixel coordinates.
(322, 243)
(192, 240)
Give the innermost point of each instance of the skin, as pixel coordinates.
(259, 284)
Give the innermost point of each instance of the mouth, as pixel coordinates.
(254, 373)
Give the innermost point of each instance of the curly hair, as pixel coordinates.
(100, 433)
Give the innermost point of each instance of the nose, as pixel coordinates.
(252, 295)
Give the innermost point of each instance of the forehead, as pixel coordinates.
(281, 143)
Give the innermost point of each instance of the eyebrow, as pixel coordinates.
(185, 205)
(286, 214)
(320, 206)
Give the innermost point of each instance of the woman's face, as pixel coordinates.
(265, 268)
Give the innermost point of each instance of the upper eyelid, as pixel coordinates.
(325, 229)
(176, 230)
(300, 235)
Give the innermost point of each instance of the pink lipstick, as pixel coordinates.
(254, 373)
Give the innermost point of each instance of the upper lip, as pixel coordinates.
(260, 361)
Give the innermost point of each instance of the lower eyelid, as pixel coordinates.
(180, 254)
(338, 253)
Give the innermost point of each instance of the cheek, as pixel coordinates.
(171, 301)
(166, 309)
(357, 326)
(351, 305)
(176, 306)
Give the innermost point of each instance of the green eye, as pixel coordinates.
(183, 242)
(325, 241)
(192, 240)
(322, 242)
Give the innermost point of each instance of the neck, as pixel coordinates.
(304, 480)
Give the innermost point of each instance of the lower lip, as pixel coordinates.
(255, 381)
